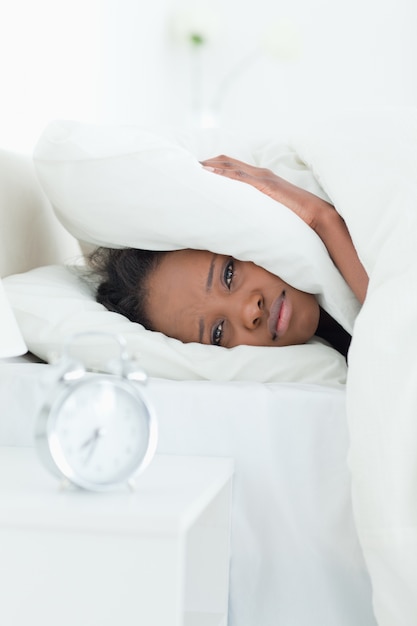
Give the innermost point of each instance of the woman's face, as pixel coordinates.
(198, 296)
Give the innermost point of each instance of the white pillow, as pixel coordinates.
(121, 186)
(54, 302)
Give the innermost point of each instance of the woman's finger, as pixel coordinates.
(226, 166)
(237, 173)
(238, 169)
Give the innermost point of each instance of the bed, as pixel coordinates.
(324, 508)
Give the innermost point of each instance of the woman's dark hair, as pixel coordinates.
(124, 276)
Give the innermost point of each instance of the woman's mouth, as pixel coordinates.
(279, 316)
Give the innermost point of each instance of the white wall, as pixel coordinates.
(49, 55)
(363, 52)
(114, 60)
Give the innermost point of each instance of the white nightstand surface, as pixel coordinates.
(157, 556)
(169, 495)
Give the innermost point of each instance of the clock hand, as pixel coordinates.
(92, 441)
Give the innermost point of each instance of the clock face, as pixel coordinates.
(100, 432)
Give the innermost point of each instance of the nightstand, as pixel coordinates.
(158, 556)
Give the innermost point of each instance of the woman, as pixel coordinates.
(195, 295)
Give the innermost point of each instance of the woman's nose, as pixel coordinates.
(252, 311)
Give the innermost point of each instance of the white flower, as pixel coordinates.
(195, 24)
(282, 39)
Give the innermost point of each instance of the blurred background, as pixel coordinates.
(252, 66)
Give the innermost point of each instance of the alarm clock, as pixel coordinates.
(97, 431)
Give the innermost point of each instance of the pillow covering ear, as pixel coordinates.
(119, 186)
(123, 186)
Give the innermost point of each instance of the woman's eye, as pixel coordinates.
(217, 334)
(228, 274)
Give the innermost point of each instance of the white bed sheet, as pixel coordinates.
(295, 555)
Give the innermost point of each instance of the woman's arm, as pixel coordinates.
(317, 213)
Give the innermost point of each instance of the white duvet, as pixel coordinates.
(367, 164)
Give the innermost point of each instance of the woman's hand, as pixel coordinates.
(321, 216)
(311, 209)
